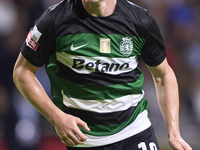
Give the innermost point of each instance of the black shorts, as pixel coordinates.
(145, 140)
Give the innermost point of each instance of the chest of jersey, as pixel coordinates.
(98, 52)
(98, 45)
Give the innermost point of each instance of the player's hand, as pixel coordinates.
(68, 131)
(178, 144)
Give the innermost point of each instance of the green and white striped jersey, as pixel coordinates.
(92, 64)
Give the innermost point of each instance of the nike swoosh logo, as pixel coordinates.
(78, 47)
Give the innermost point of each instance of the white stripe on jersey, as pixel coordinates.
(68, 60)
(140, 124)
(103, 106)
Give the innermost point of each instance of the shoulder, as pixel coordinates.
(54, 13)
(134, 6)
(135, 13)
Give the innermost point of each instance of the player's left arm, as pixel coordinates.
(168, 100)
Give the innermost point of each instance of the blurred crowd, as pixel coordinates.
(22, 127)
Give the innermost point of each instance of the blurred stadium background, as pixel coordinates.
(23, 128)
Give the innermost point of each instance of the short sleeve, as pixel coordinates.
(153, 53)
(40, 42)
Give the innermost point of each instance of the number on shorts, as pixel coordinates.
(143, 146)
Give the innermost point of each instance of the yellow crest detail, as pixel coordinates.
(105, 45)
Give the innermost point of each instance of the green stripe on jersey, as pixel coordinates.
(101, 92)
(90, 44)
(104, 130)
(51, 70)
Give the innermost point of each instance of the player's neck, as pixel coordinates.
(99, 8)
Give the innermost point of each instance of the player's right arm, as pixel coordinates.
(27, 83)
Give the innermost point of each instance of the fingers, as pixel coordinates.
(69, 132)
(72, 140)
(184, 145)
(175, 146)
(179, 144)
(82, 124)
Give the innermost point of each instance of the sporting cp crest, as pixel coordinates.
(126, 46)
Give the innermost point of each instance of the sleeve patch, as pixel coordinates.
(33, 38)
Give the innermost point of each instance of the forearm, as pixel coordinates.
(168, 99)
(33, 91)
